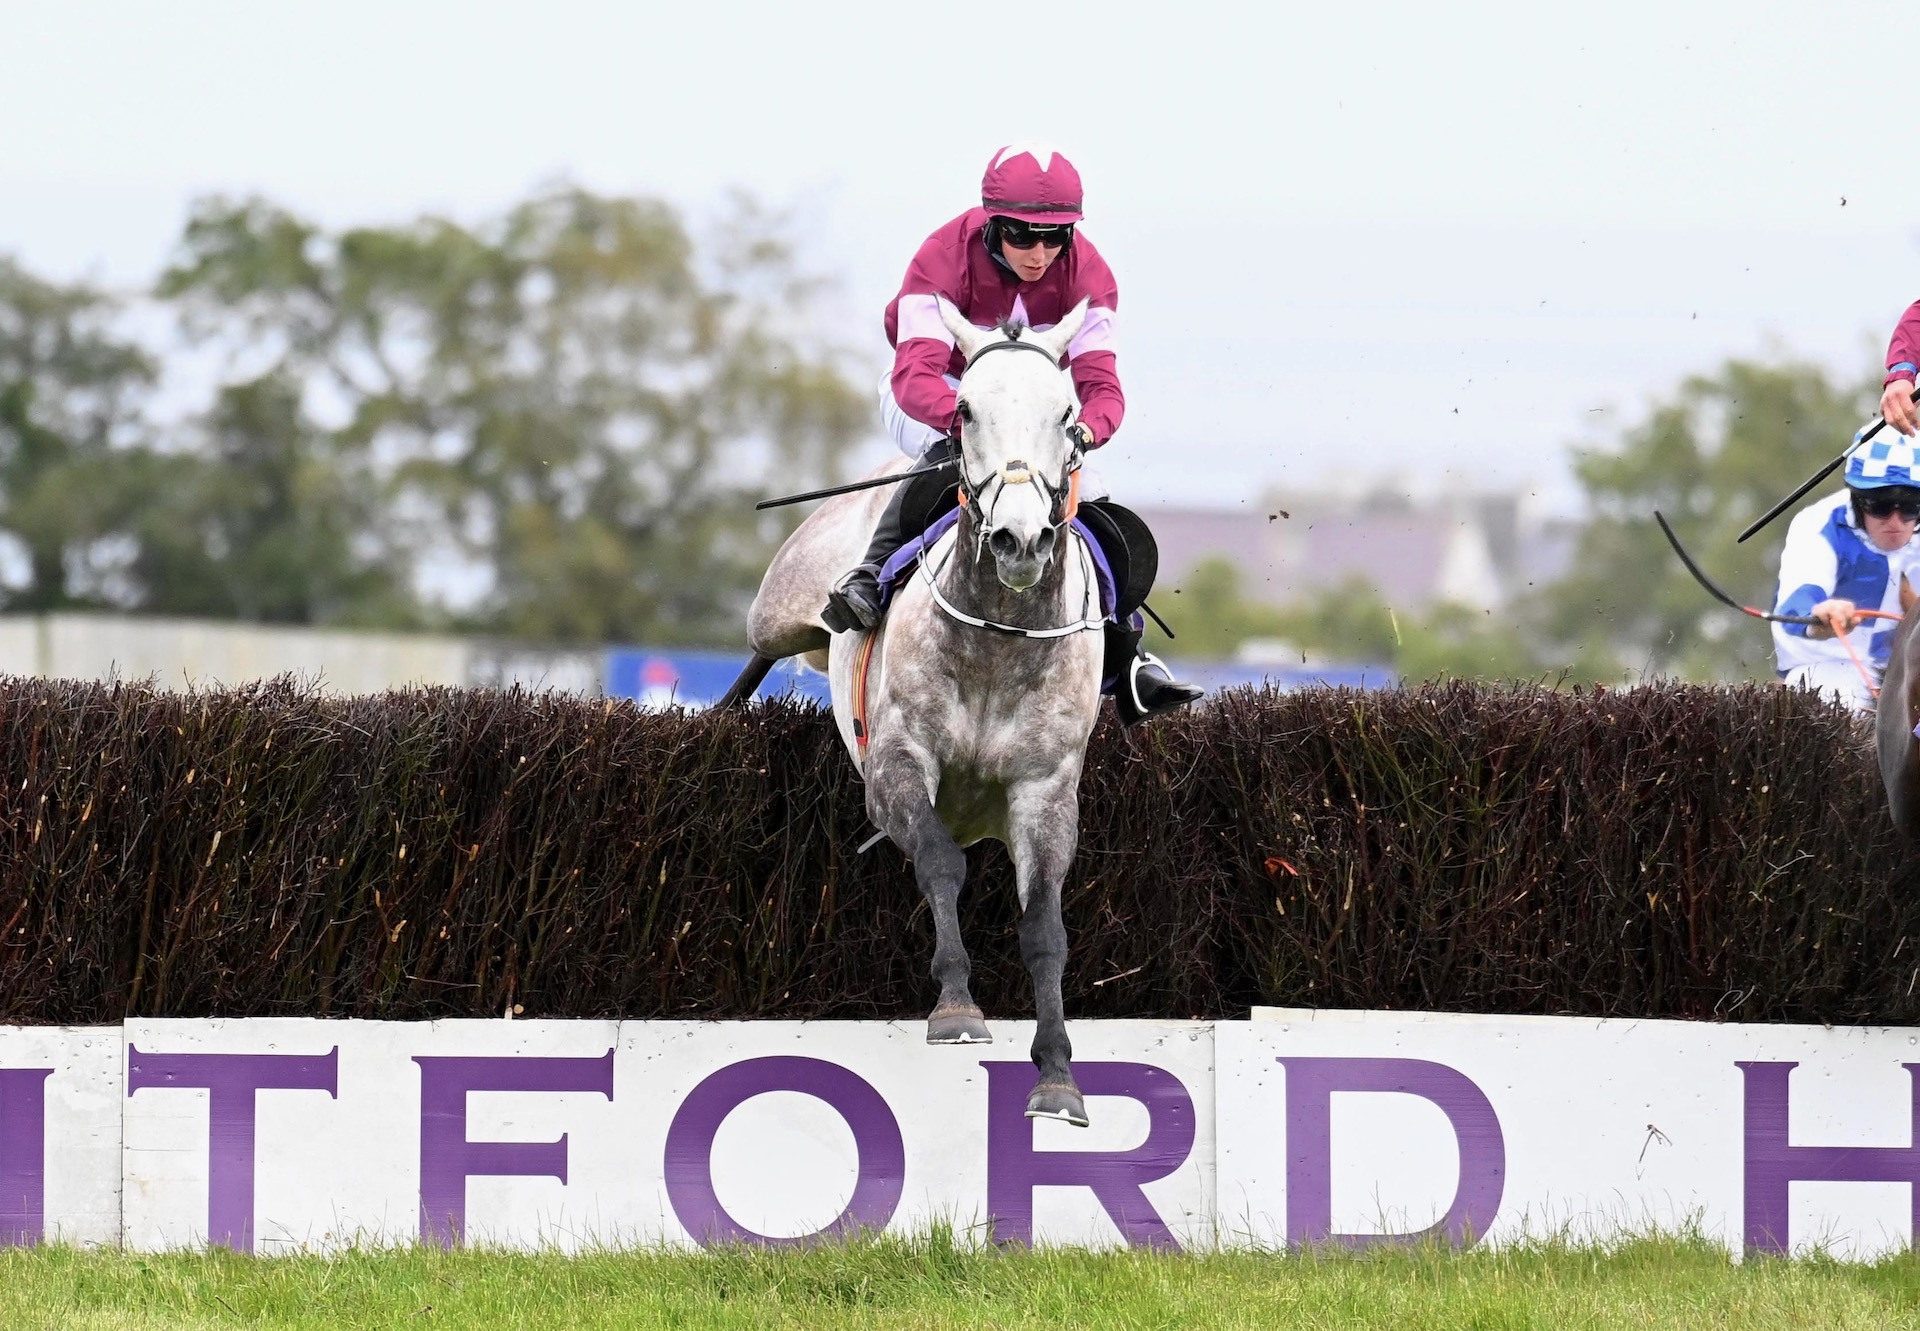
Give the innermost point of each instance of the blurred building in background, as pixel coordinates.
(1477, 550)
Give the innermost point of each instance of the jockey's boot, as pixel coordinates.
(854, 602)
(1145, 687)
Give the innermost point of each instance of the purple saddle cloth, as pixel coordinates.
(900, 566)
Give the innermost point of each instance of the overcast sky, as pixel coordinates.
(1438, 243)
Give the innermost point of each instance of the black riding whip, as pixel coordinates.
(1808, 484)
(851, 486)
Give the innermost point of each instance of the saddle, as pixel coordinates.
(1125, 559)
(1130, 550)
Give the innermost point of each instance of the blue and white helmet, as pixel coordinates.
(1888, 459)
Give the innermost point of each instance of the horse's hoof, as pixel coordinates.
(1058, 1100)
(958, 1025)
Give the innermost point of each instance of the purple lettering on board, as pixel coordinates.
(231, 1082)
(23, 1155)
(1117, 1179)
(881, 1155)
(448, 1159)
(1771, 1164)
(1311, 1084)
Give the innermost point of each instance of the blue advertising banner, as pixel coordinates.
(661, 677)
(1211, 675)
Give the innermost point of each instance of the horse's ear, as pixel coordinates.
(1059, 337)
(1908, 596)
(965, 336)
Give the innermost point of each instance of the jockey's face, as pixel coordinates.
(1030, 263)
(1891, 532)
(1888, 515)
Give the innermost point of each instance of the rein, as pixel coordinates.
(1713, 589)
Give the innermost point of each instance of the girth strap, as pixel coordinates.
(860, 664)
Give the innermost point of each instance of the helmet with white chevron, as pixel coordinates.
(1032, 183)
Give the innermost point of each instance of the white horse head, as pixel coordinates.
(1015, 450)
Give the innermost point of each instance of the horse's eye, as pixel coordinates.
(966, 412)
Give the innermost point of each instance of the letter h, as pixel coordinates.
(1771, 1164)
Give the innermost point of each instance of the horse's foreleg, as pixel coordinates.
(897, 799)
(1046, 829)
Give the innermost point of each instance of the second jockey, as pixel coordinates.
(1846, 553)
(1014, 258)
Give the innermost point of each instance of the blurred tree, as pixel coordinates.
(266, 520)
(1348, 622)
(1351, 623)
(1722, 451)
(1459, 642)
(70, 438)
(1211, 614)
(572, 399)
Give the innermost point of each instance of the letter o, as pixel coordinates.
(881, 1153)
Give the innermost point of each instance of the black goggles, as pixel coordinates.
(1885, 506)
(1025, 235)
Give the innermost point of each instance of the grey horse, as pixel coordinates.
(982, 683)
(1895, 738)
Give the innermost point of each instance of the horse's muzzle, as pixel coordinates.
(1019, 561)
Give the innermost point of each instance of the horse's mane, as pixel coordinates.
(1011, 329)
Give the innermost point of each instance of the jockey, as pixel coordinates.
(1016, 257)
(1846, 553)
(1903, 355)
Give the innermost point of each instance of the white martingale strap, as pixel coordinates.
(953, 611)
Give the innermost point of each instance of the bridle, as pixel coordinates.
(982, 497)
(1061, 498)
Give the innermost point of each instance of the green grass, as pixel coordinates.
(933, 1282)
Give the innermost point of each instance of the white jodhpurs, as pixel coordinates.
(909, 435)
(1840, 681)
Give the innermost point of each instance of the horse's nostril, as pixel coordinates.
(1043, 543)
(1004, 544)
